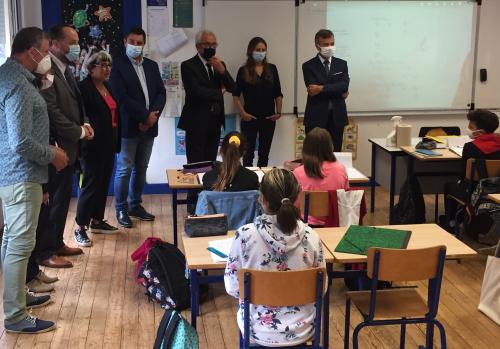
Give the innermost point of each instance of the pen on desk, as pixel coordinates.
(217, 252)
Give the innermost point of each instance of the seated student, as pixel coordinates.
(276, 241)
(230, 175)
(320, 169)
(485, 144)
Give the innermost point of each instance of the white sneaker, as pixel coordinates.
(45, 278)
(38, 286)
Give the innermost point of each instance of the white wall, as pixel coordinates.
(283, 143)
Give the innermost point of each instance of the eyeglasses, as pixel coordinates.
(209, 44)
(105, 66)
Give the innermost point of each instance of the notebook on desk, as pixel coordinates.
(358, 239)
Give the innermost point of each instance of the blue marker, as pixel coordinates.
(217, 252)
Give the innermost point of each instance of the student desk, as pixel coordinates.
(381, 151)
(422, 235)
(177, 180)
(494, 197)
(199, 258)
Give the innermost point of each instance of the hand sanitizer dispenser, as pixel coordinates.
(390, 140)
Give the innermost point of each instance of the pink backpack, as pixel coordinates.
(141, 254)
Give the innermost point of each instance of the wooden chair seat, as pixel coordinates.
(391, 304)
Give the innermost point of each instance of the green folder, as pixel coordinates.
(358, 239)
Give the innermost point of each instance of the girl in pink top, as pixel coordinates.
(320, 170)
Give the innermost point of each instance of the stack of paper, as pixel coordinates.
(223, 246)
(345, 158)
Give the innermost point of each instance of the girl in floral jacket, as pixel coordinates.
(276, 241)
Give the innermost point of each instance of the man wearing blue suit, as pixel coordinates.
(327, 81)
(137, 84)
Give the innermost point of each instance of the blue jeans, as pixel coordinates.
(21, 206)
(131, 166)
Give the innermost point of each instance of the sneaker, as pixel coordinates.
(37, 286)
(45, 278)
(99, 227)
(81, 237)
(34, 302)
(30, 325)
(140, 213)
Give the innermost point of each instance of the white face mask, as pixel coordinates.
(472, 133)
(328, 51)
(47, 82)
(44, 65)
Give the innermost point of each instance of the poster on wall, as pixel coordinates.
(180, 135)
(183, 13)
(98, 23)
(170, 74)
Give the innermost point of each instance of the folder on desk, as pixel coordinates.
(428, 152)
(358, 239)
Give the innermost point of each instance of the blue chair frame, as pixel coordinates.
(245, 340)
(434, 289)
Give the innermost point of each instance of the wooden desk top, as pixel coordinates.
(198, 257)
(494, 197)
(179, 180)
(446, 154)
(422, 235)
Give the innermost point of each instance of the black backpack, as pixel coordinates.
(410, 208)
(164, 276)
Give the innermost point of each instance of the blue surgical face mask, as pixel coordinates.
(133, 51)
(258, 56)
(73, 53)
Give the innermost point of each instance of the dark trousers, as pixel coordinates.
(60, 189)
(40, 251)
(202, 143)
(336, 132)
(97, 171)
(265, 130)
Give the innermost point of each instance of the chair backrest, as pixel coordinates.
(436, 131)
(240, 207)
(314, 203)
(492, 167)
(281, 288)
(404, 264)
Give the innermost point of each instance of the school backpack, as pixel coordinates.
(175, 332)
(164, 276)
(410, 208)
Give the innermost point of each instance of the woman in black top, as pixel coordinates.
(259, 82)
(230, 175)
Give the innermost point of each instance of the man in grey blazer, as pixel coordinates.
(68, 125)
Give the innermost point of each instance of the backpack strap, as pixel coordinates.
(163, 328)
(482, 171)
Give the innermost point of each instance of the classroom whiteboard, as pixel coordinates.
(402, 55)
(236, 22)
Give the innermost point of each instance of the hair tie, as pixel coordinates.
(234, 139)
(284, 200)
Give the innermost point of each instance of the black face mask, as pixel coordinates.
(208, 52)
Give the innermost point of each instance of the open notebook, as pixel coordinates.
(345, 158)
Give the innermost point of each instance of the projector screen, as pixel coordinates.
(402, 55)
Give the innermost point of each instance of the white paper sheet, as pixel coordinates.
(200, 177)
(460, 141)
(457, 150)
(171, 42)
(345, 158)
(223, 246)
(157, 20)
(353, 174)
(260, 174)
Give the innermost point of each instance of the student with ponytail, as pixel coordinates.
(276, 241)
(229, 175)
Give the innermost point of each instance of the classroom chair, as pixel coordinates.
(475, 170)
(400, 306)
(240, 207)
(282, 289)
(436, 131)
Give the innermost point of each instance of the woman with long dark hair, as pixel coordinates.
(259, 82)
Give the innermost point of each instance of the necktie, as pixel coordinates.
(326, 63)
(70, 80)
(210, 72)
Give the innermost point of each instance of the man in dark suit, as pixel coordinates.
(141, 95)
(205, 80)
(327, 81)
(68, 125)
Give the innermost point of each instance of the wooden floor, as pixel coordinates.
(97, 304)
